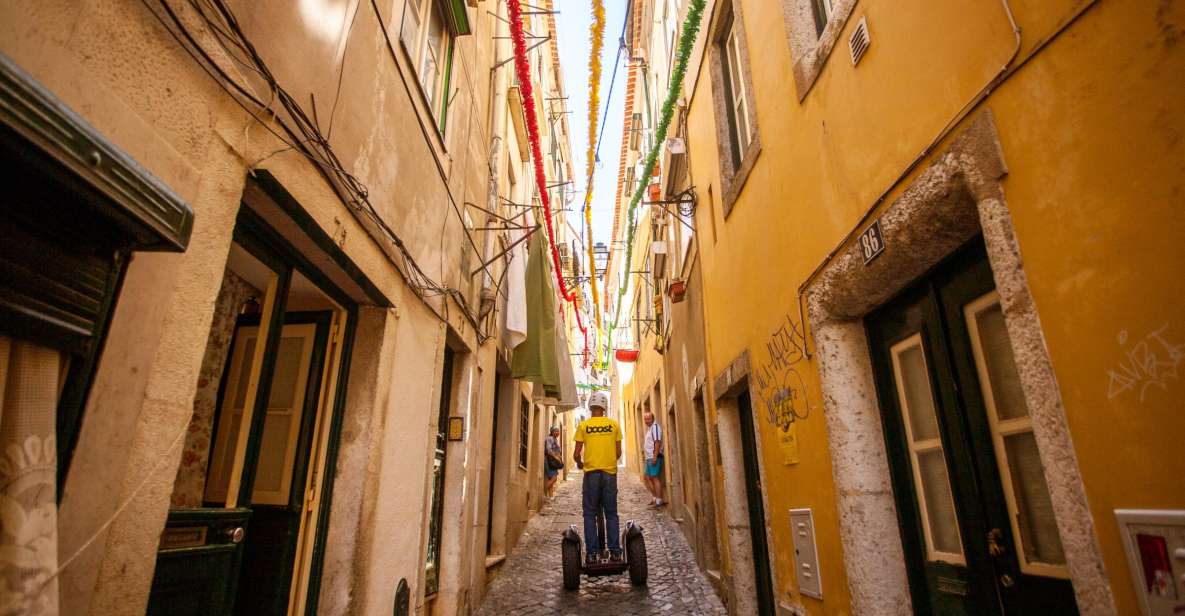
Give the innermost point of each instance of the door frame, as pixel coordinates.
(758, 526)
(956, 197)
(259, 238)
(974, 485)
(729, 385)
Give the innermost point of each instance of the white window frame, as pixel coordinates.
(917, 447)
(822, 10)
(1000, 430)
(418, 15)
(736, 95)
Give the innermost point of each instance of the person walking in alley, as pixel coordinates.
(598, 446)
(555, 459)
(652, 449)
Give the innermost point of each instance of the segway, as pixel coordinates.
(634, 558)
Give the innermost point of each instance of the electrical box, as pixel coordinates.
(806, 556)
(1154, 540)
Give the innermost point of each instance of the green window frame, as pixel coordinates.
(524, 434)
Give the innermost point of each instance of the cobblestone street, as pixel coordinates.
(530, 582)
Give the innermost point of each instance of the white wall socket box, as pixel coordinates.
(806, 556)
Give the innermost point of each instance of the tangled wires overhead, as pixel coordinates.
(300, 131)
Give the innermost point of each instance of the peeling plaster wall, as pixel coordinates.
(368, 405)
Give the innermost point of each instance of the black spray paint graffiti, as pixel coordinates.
(779, 384)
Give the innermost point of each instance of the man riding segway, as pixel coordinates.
(598, 447)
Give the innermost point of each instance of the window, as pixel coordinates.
(429, 42)
(734, 93)
(435, 523)
(813, 28)
(822, 10)
(524, 433)
(940, 524)
(1034, 528)
(737, 139)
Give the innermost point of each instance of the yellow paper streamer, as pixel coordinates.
(597, 34)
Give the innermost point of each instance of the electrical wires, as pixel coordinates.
(294, 127)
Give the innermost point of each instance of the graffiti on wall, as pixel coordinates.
(1151, 361)
(780, 385)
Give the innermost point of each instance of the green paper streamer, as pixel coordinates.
(687, 37)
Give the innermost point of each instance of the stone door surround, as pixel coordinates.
(958, 196)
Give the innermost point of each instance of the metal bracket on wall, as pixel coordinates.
(504, 251)
(684, 207)
(500, 63)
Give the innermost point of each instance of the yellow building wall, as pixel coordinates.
(636, 382)
(1091, 130)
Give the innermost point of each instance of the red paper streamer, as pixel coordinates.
(522, 67)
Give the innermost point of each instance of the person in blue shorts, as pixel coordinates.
(652, 448)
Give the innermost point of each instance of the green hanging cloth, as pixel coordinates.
(535, 359)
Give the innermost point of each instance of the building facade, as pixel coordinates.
(285, 364)
(906, 217)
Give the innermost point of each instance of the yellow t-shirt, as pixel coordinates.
(600, 436)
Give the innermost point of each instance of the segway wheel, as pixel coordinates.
(571, 565)
(635, 548)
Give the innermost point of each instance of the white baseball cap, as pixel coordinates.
(598, 398)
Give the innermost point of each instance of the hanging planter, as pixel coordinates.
(654, 191)
(626, 355)
(677, 289)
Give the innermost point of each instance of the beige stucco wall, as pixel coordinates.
(112, 62)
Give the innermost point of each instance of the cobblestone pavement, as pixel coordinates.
(531, 580)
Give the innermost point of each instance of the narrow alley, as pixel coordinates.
(531, 581)
(305, 306)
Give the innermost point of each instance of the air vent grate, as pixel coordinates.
(859, 41)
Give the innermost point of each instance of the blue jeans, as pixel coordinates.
(600, 492)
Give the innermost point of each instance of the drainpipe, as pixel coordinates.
(500, 83)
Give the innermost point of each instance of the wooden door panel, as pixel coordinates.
(198, 563)
(992, 467)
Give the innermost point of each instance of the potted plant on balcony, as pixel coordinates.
(654, 191)
(626, 355)
(677, 289)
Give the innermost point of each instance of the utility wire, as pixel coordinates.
(305, 137)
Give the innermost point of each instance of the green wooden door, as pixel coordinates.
(974, 511)
(230, 544)
(198, 564)
(762, 582)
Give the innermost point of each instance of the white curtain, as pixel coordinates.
(29, 387)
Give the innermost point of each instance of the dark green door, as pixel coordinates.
(199, 560)
(974, 510)
(230, 545)
(762, 583)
